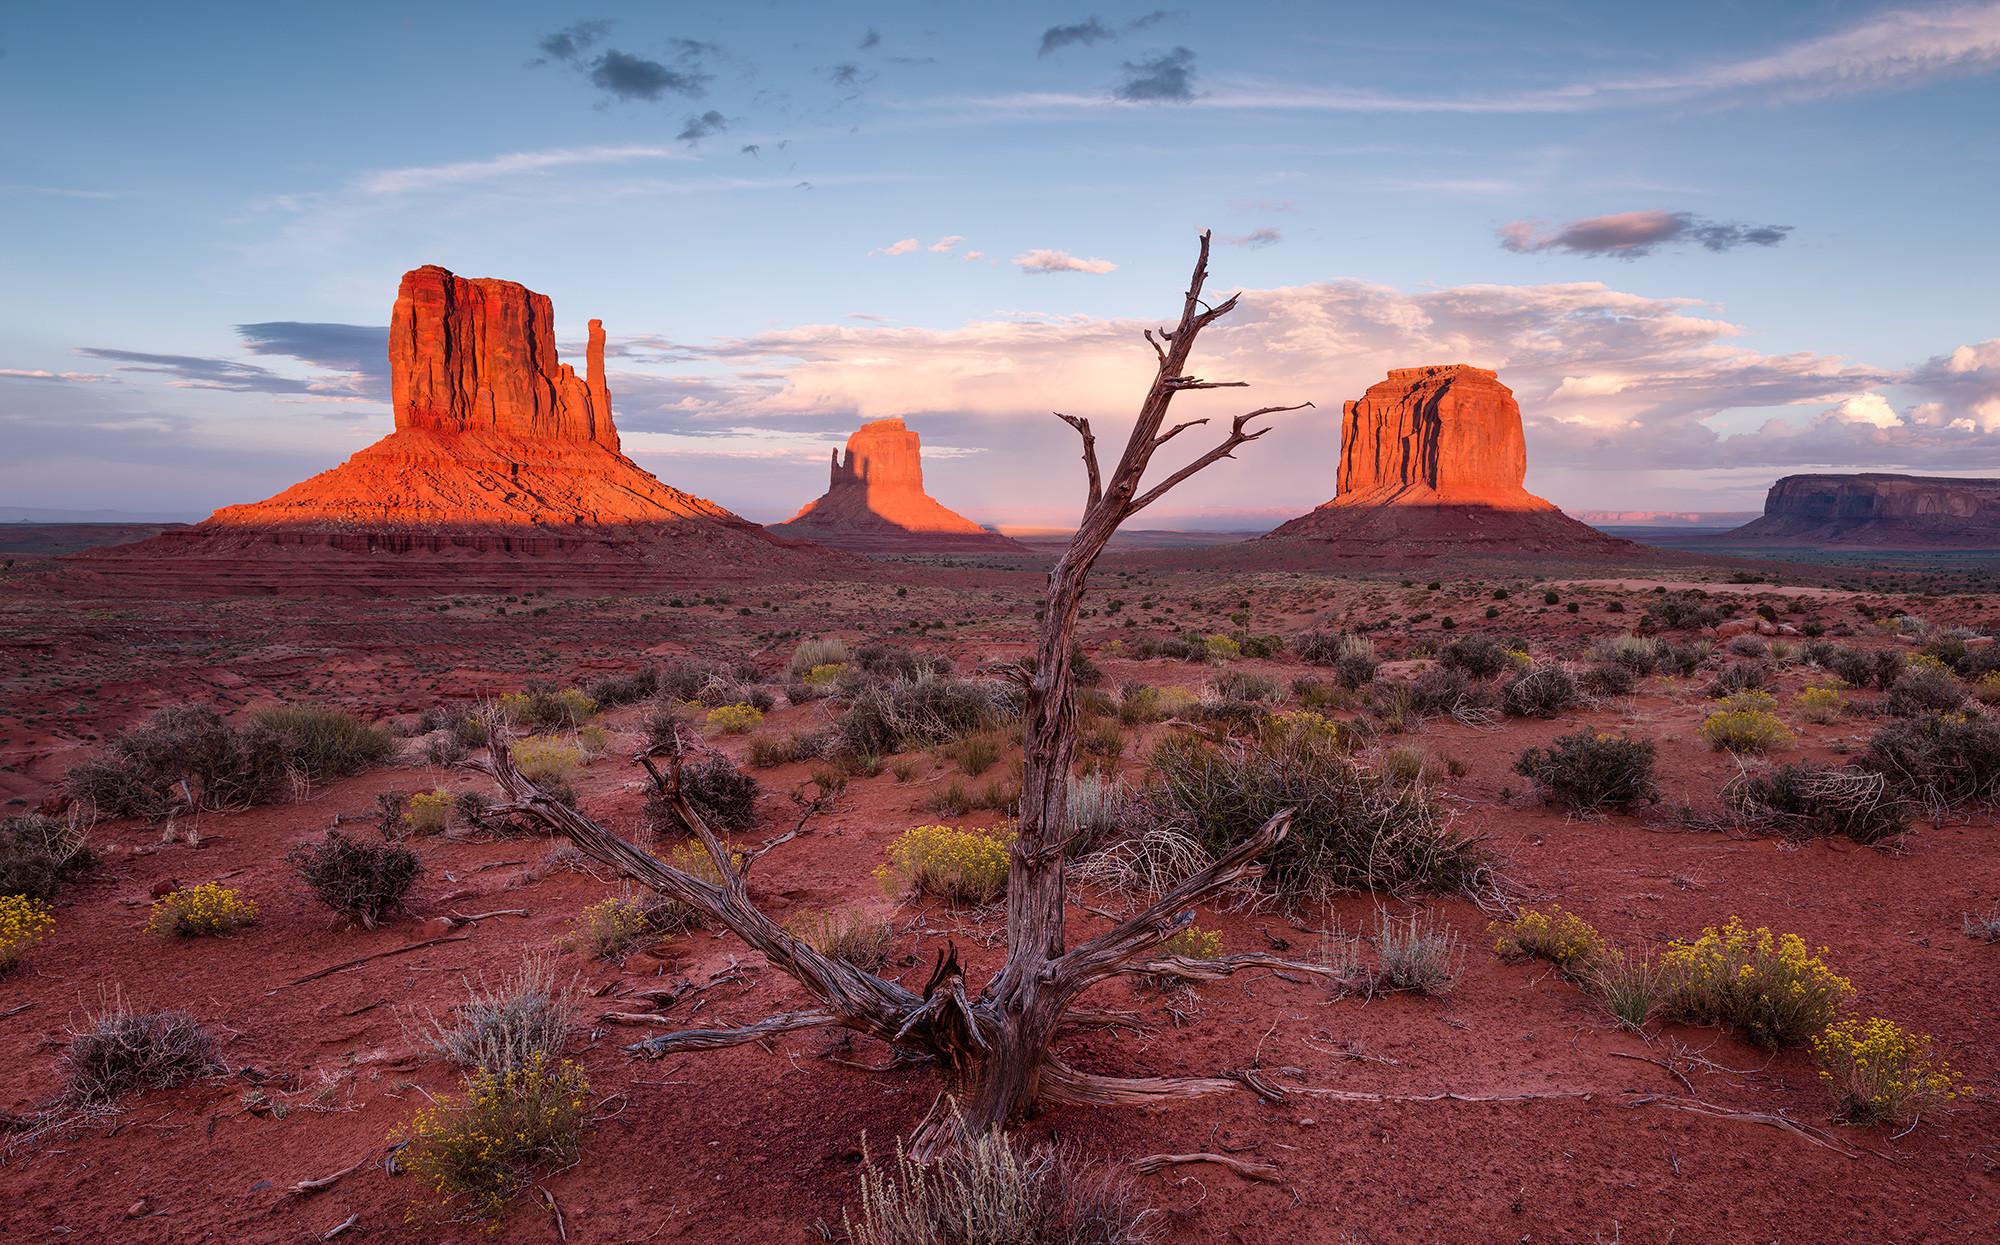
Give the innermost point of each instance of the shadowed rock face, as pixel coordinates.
(875, 500)
(1879, 511)
(1432, 460)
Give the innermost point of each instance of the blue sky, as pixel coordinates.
(1707, 244)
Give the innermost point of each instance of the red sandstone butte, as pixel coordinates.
(1432, 461)
(875, 501)
(499, 449)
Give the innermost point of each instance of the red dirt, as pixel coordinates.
(756, 1145)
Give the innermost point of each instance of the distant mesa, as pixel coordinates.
(875, 501)
(1433, 462)
(1876, 511)
(499, 451)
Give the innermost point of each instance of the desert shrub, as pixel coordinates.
(1609, 678)
(1318, 648)
(429, 812)
(614, 925)
(1807, 801)
(527, 1016)
(1407, 766)
(1983, 926)
(1924, 689)
(141, 770)
(1355, 663)
(885, 717)
(542, 708)
(1222, 647)
(1237, 685)
(1305, 727)
(444, 750)
(1189, 646)
(1194, 943)
(1589, 770)
(1682, 657)
(684, 678)
(361, 881)
(883, 661)
(769, 750)
(546, 758)
(198, 911)
(1637, 654)
(959, 865)
(1680, 611)
(1885, 667)
(1987, 688)
(607, 691)
(323, 743)
(1417, 956)
(1562, 938)
(976, 754)
(1480, 656)
(985, 1192)
(847, 935)
(1631, 988)
(1945, 760)
(1153, 852)
(1542, 691)
(24, 921)
(121, 1051)
(1139, 704)
(1741, 676)
(723, 796)
(1748, 646)
(1745, 730)
(1819, 703)
(1437, 691)
(474, 1152)
(1768, 986)
(1351, 828)
(815, 654)
(734, 719)
(1852, 666)
(39, 853)
(1881, 1073)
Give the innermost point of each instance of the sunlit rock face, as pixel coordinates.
(1877, 511)
(1433, 459)
(875, 500)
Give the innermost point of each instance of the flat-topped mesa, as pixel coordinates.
(1439, 435)
(1433, 462)
(875, 499)
(480, 356)
(1877, 510)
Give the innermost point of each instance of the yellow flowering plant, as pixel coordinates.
(473, 1153)
(824, 675)
(1770, 986)
(428, 812)
(1819, 703)
(734, 719)
(24, 921)
(1194, 943)
(962, 865)
(1881, 1073)
(195, 911)
(545, 758)
(1745, 730)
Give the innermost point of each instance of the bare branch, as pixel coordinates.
(1188, 969)
(711, 1039)
(1154, 343)
(1237, 436)
(1082, 427)
(1243, 1167)
(1180, 384)
(1175, 431)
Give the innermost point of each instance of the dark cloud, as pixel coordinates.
(1267, 236)
(1154, 18)
(850, 77)
(360, 349)
(870, 40)
(1167, 79)
(197, 372)
(1628, 235)
(1086, 32)
(571, 41)
(357, 356)
(698, 128)
(750, 149)
(634, 77)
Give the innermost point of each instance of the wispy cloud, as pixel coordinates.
(68, 378)
(707, 124)
(513, 164)
(1091, 30)
(628, 76)
(904, 247)
(945, 243)
(1164, 79)
(227, 375)
(1257, 238)
(1060, 261)
(58, 192)
(1629, 235)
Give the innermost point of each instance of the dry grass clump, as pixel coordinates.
(1809, 801)
(845, 934)
(1588, 771)
(1768, 986)
(474, 1152)
(986, 1192)
(1480, 656)
(1985, 927)
(39, 853)
(323, 743)
(959, 865)
(429, 812)
(1417, 955)
(527, 1016)
(1541, 691)
(1881, 1073)
(120, 1051)
(199, 911)
(1352, 657)
(545, 708)
(1923, 689)
(1944, 760)
(361, 881)
(886, 716)
(1630, 987)
(814, 654)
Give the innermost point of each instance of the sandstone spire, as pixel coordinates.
(875, 499)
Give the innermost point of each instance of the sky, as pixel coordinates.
(1706, 244)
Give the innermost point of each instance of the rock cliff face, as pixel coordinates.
(875, 500)
(498, 450)
(1877, 511)
(1432, 462)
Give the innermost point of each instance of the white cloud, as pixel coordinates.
(904, 247)
(1060, 261)
(971, 256)
(73, 378)
(1588, 387)
(1868, 408)
(946, 243)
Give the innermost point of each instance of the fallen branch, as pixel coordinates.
(343, 1226)
(317, 1183)
(458, 918)
(710, 1039)
(379, 955)
(1695, 1106)
(1249, 1171)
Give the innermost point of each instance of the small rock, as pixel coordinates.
(435, 927)
(163, 888)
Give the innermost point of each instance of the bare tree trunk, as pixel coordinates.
(996, 1048)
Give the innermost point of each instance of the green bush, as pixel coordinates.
(1745, 730)
(142, 769)
(1588, 770)
(900, 714)
(1741, 676)
(1480, 656)
(324, 743)
(1924, 689)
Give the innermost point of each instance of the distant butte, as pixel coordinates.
(875, 501)
(1876, 511)
(1433, 462)
(498, 451)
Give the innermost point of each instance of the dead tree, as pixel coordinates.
(996, 1046)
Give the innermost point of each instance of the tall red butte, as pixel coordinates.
(875, 501)
(1432, 463)
(501, 454)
